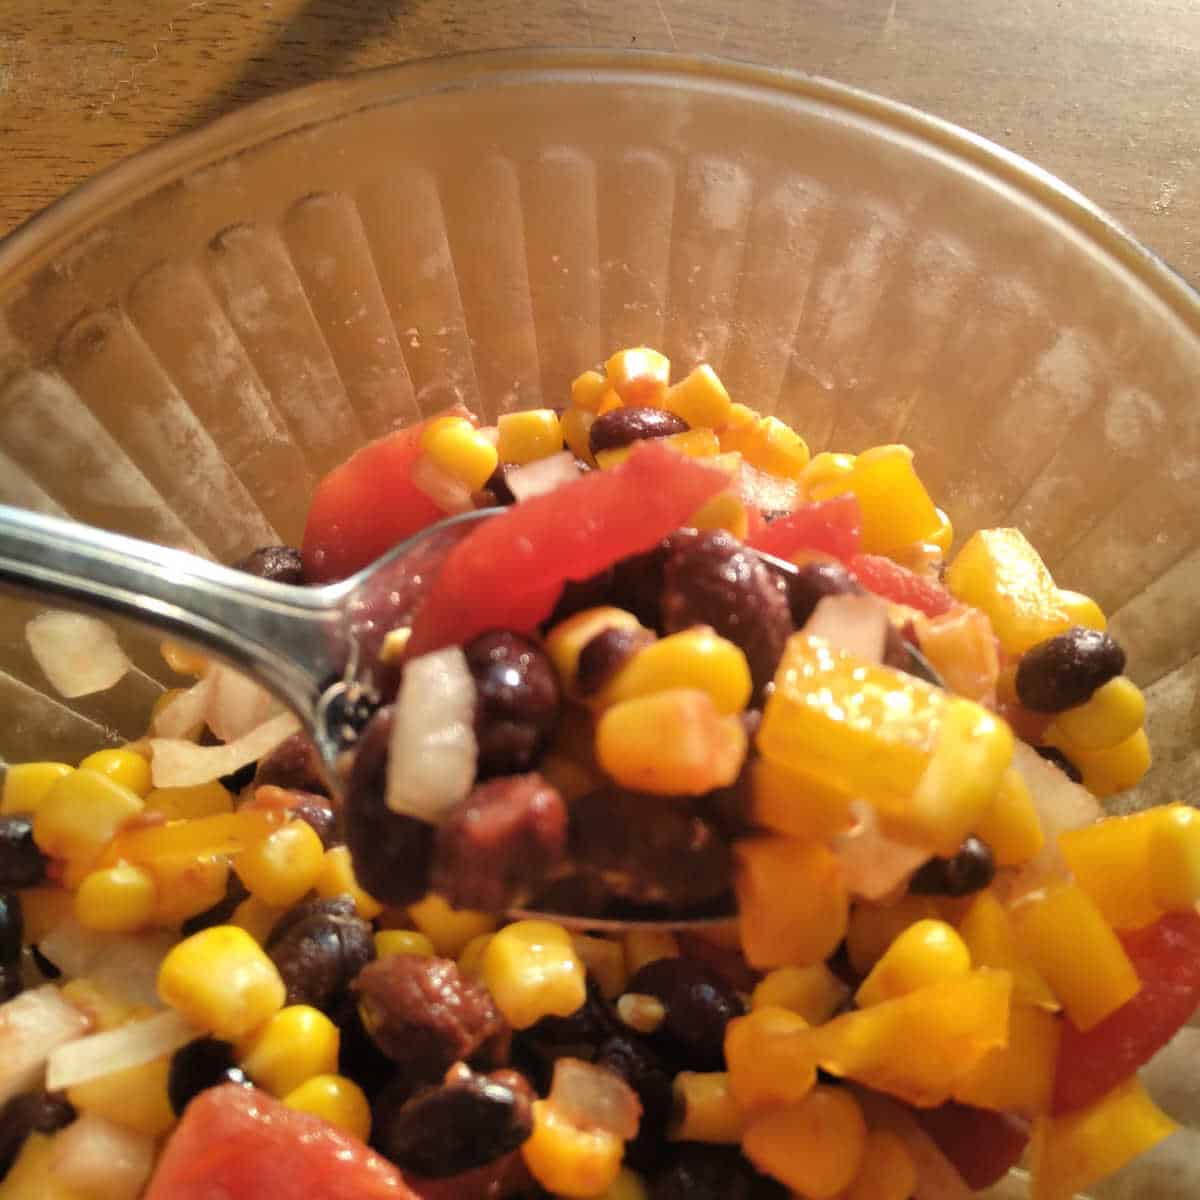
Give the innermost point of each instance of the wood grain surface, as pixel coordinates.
(1101, 92)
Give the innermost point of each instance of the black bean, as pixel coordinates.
(235, 781)
(699, 1004)
(391, 851)
(318, 948)
(579, 1033)
(624, 426)
(207, 1062)
(605, 654)
(467, 1121)
(30, 1112)
(12, 981)
(348, 712)
(497, 487)
(219, 914)
(293, 764)
(1064, 671)
(318, 812)
(12, 928)
(1053, 754)
(43, 964)
(22, 864)
(698, 1172)
(812, 583)
(639, 1066)
(280, 564)
(711, 579)
(518, 701)
(968, 871)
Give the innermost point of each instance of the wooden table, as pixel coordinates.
(1101, 92)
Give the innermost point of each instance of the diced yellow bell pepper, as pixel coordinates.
(1174, 854)
(769, 1057)
(785, 802)
(1010, 824)
(792, 901)
(1018, 1077)
(918, 1047)
(925, 953)
(225, 833)
(998, 571)
(768, 444)
(1068, 1154)
(826, 475)
(1076, 952)
(186, 803)
(961, 647)
(700, 398)
(814, 992)
(987, 930)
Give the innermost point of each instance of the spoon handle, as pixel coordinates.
(291, 639)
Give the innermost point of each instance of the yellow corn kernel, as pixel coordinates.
(740, 415)
(929, 761)
(698, 658)
(644, 946)
(628, 1185)
(792, 901)
(335, 1099)
(188, 803)
(609, 401)
(924, 953)
(705, 1110)
(80, 814)
(887, 1170)
(566, 640)
(998, 571)
(44, 909)
(27, 784)
(1010, 824)
(532, 971)
(293, 1046)
(1070, 1153)
(640, 376)
(123, 766)
(604, 959)
(694, 443)
(135, 1098)
(529, 435)
(402, 941)
(1017, 1077)
(872, 928)
(705, 750)
(576, 426)
(184, 660)
(103, 1010)
(118, 899)
(1112, 714)
(1174, 858)
(700, 398)
(814, 992)
(567, 1160)
(222, 981)
(987, 930)
(337, 878)
(814, 1146)
(1107, 772)
(826, 475)
(587, 390)
(788, 803)
(1076, 952)
(470, 961)
(187, 887)
(724, 511)
(770, 445)
(1082, 610)
(768, 1058)
(282, 867)
(454, 444)
(449, 929)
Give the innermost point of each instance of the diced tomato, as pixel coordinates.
(828, 527)
(981, 1145)
(508, 573)
(896, 583)
(364, 507)
(237, 1143)
(1166, 956)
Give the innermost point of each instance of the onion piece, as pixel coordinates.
(856, 624)
(186, 714)
(79, 655)
(433, 751)
(542, 476)
(874, 864)
(118, 1049)
(100, 1159)
(122, 964)
(591, 1098)
(449, 494)
(178, 763)
(32, 1026)
(237, 705)
(768, 493)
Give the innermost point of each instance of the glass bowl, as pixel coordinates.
(191, 339)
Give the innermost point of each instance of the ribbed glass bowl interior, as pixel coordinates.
(191, 339)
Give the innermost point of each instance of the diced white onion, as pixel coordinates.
(542, 476)
(177, 763)
(451, 495)
(187, 712)
(768, 493)
(123, 964)
(237, 705)
(118, 1049)
(855, 624)
(592, 1098)
(32, 1026)
(79, 655)
(874, 864)
(100, 1159)
(433, 752)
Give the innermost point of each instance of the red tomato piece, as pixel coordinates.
(237, 1143)
(896, 583)
(364, 507)
(828, 527)
(981, 1145)
(1166, 956)
(508, 573)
